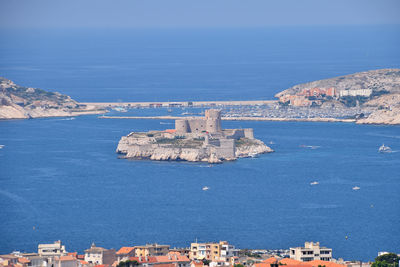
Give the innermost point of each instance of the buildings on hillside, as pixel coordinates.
(310, 96)
(311, 251)
(200, 254)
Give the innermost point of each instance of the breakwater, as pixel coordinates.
(180, 104)
(230, 118)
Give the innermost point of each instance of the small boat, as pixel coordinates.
(271, 142)
(314, 183)
(120, 109)
(356, 188)
(1, 146)
(205, 188)
(384, 149)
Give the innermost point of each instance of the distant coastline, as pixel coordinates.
(371, 97)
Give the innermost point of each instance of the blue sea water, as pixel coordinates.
(61, 179)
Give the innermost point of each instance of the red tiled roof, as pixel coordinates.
(270, 260)
(172, 258)
(66, 258)
(125, 250)
(23, 260)
(143, 259)
(289, 261)
(73, 254)
(197, 263)
(315, 263)
(165, 265)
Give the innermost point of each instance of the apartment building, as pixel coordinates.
(52, 250)
(98, 255)
(221, 251)
(311, 251)
(151, 250)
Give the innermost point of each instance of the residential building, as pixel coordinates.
(208, 251)
(8, 259)
(65, 261)
(98, 255)
(228, 251)
(174, 258)
(355, 92)
(212, 251)
(52, 250)
(151, 250)
(125, 253)
(311, 251)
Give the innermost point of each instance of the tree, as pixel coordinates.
(206, 262)
(386, 260)
(128, 263)
(238, 265)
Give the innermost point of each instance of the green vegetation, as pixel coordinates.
(351, 101)
(386, 260)
(206, 262)
(238, 265)
(245, 142)
(128, 263)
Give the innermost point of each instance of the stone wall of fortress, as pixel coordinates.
(211, 123)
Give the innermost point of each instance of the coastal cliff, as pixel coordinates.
(157, 147)
(18, 102)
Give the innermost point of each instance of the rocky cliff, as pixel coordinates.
(155, 146)
(18, 102)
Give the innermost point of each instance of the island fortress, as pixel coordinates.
(193, 139)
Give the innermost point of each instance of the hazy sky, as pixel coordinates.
(194, 13)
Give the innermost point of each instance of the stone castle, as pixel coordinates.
(193, 139)
(218, 141)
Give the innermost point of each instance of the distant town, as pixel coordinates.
(199, 254)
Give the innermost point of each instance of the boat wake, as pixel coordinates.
(65, 119)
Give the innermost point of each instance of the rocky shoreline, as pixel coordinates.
(18, 102)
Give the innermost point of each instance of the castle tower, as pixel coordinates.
(213, 120)
(182, 126)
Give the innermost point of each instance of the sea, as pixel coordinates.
(60, 178)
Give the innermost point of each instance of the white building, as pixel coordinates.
(52, 250)
(228, 251)
(98, 255)
(311, 251)
(355, 92)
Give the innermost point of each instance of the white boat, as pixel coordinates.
(356, 188)
(314, 183)
(271, 142)
(1, 146)
(120, 109)
(384, 149)
(205, 188)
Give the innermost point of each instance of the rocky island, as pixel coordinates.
(18, 102)
(193, 139)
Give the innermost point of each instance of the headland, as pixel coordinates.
(193, 139)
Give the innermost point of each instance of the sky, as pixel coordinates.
(194, 13)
